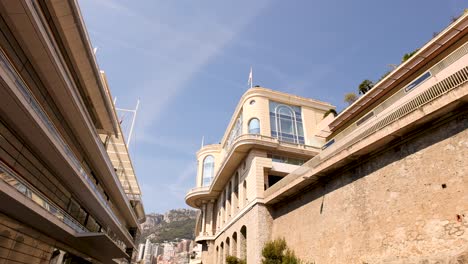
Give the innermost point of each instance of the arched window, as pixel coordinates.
(208, 170)
(222, 257)
(234, 245)
(285, 119)
(254, 126)
(286, 123)
(243, 243)
(228, 247)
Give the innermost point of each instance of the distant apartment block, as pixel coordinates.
(382, 182)
(168, 252)
(68, 189)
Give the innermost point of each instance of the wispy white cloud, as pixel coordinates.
(183, 48)
(174, 48)
(179, 186)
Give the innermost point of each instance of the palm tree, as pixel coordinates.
(350, 98)
(365, 86)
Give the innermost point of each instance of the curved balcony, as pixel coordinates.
(205, 237)
(197, 193)
(234, 156)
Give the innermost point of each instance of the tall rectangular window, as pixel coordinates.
(286, 122)
(236, 131)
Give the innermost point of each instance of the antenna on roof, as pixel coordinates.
(133, 119)
(250, 81)
(202, 141)
(133, 123)
(95, 50)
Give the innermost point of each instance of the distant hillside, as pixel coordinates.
(173, 225)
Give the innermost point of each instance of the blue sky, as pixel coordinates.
(188, 62)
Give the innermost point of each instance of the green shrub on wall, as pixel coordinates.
(234, 260)
(277, 252)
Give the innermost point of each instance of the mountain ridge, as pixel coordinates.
(176, 224)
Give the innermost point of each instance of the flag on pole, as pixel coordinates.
(250, 81)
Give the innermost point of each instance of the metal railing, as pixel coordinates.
(30, 98)
(252, 137)
(267, 139)
(10, 177)
(199, 189)
(430, 94)
(44, 23)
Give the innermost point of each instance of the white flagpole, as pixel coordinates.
(250, 78)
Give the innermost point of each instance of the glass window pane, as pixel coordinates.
(286, 126)
(254, 126)
(208, 170)
(286, 122)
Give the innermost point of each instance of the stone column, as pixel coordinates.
(241, 194)
(223, 205)
(210, 217)
(228, 202)
(203, 229)
(218, 216)
(235, 194)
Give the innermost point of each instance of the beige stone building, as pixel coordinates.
(385, 181)
(68, 191)
(270, 135)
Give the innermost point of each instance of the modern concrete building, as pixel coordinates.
(383, 182)
(68, 190)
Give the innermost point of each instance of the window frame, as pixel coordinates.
(204, 167)
(296, 136)
(258, 128)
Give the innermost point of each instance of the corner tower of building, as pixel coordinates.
(269, 135)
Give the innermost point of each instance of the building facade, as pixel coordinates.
(68, 190)
(382, 182)
(270, 135)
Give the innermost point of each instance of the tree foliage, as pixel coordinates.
(365, 86)
(234, 260)
(177, 229)
(330, 111)
(406, 56)
(350, 98)
(277, 252)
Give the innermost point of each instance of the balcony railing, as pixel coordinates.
(199, 189)
(46, 121)
(268, 139)
(232, 147)
(37, 10)
(426, 96)
(133, 197)
(23, 187)
(30, 192)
